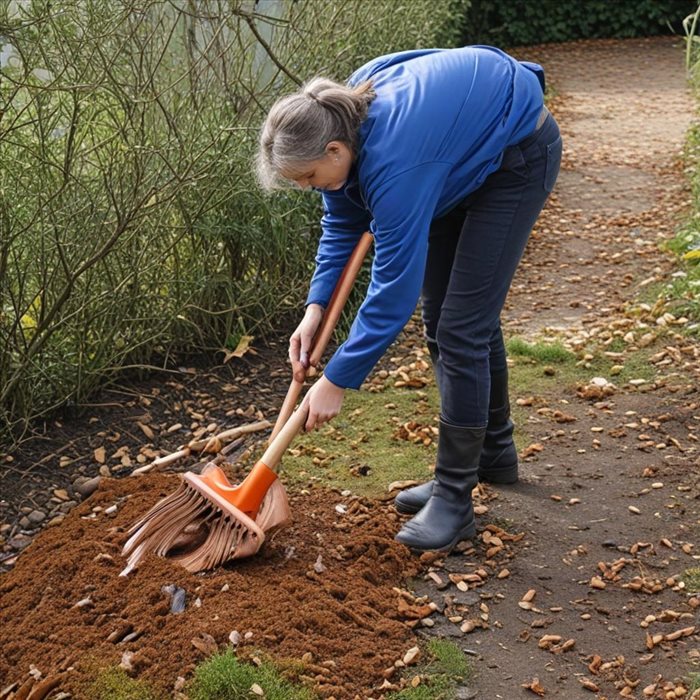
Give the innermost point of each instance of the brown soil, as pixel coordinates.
(346, 613)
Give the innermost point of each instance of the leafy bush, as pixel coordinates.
(522, 22)
(131, 227)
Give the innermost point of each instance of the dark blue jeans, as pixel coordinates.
(473, 252)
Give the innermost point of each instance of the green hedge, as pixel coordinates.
(523, 22)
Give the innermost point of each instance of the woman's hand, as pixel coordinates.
(300, 341)
(324, 401)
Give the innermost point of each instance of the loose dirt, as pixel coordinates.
(322, 588)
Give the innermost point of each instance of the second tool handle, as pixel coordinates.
(327, 325)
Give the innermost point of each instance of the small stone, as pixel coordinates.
(19, 542)
(177, 597)
(235, 638)
(634, 509)
(87, 488)
(84, 603)
(411, 656)
(126, 662)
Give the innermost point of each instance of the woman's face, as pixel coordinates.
(330, 172)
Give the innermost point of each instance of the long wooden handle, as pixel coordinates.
(278, 446)
(327, 326)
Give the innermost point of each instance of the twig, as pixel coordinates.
(213, 444)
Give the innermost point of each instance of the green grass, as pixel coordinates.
(691, 579)
(225, 677)
(539, 351)
(359, 451)
(693, 682)
(115, 684)
(446, 667)
(683, 292)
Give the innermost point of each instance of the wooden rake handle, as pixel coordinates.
(325, 328)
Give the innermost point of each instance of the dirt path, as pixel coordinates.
(612, 491)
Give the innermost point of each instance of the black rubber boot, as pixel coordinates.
(448, 516)
(498, 463)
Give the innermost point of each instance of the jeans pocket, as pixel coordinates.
(552, 165)
(514, 161)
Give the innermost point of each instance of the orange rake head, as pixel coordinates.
(208, 521)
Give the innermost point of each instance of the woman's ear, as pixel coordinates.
(333, 149)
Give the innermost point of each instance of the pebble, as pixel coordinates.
(20, 541)
(177, 597)
(87, 488)
(37, 516)
(67, 506)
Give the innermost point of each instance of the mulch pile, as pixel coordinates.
(322, 589)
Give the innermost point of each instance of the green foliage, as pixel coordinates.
(224, 677)
(682, 292)
(131, 226)
(115, 684)
(523, 22)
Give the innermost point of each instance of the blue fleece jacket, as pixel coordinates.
(436, 129)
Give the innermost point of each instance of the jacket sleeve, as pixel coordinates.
(342, 224)
(403, 208)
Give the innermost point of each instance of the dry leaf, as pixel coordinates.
(534, 686)
(241, 349)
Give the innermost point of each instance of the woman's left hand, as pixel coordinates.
(324, 401)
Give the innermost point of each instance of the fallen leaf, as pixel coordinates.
(534, 686)
(241, 349)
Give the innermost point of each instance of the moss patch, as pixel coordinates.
(446, 667)
(691, 579)
(116, 684)
(225, 677)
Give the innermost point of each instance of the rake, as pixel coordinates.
(207, 520)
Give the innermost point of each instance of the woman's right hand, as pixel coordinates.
(300, 341)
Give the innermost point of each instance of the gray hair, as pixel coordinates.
(299, 126)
